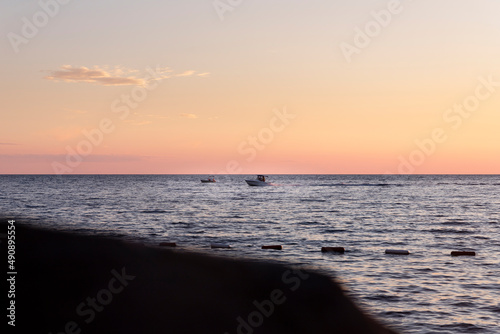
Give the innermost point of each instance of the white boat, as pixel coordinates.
(259, 182)
(210, 179)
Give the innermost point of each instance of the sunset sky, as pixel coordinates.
(235, 86)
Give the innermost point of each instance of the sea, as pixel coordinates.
(427, 291)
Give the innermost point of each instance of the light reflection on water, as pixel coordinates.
(428, 215)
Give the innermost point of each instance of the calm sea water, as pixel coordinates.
(427, 291)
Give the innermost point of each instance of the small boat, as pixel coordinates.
(259, 182)
(210, 179)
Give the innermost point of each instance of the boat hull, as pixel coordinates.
(207, 181)
(257, 183)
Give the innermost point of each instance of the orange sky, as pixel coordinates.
(288, 87)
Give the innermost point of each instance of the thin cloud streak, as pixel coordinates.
(61, 157)
(184, 115)
(117, 76)
(97, 76)
(186, 74)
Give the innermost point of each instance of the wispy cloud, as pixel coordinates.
(115, 76)
(8, 144)
(61, 157)
(186, 74)
(156, 116)
(184, 115)
(144, 119)
(96, 75)
(136, 122)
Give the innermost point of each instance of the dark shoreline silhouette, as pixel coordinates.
(73, 283)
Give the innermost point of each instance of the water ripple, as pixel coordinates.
(427, 291)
